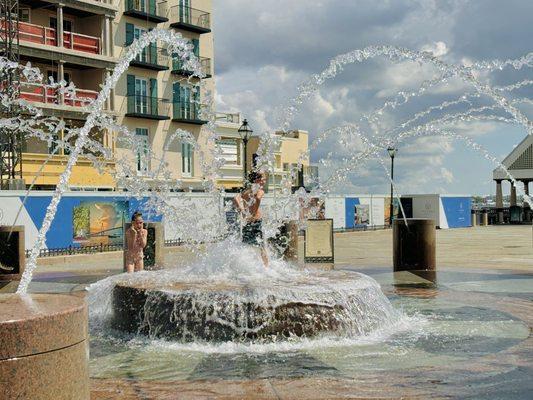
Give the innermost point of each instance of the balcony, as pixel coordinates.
(40, 93)
(146, 10)
(47, 36)
(188, 113)
(153, 58)
(148, 107)
(190, 19)
(179, 68)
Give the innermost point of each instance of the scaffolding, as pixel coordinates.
(11, 139)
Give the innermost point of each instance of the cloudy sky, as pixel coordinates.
(265, 49)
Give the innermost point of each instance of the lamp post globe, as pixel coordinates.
(245, 132)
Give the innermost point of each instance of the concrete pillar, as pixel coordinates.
(499, 200)
(291, 253)
(414, 244)
(61, 77)
(484, 218)
(513, 194)
(526, 206)
(473, 217)
(111, 47)
(104, 36)
(59, 30)
(111, 98)
(45, 347)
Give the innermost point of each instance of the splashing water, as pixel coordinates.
(231, 296)
(229, 277)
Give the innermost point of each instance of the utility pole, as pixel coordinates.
(11, 140)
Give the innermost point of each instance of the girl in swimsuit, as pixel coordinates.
(136, 238)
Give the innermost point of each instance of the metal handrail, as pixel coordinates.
(48, 94)
(48, 36)
(161, 56)
(187, 110)
(191, 16)
(178, 65)
(135, 5)
(147, 105)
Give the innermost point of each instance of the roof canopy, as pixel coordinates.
(519, 162)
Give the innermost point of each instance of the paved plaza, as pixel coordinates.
(474, 338)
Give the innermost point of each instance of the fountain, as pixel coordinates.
(227, 295)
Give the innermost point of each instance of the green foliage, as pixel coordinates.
(81, 221)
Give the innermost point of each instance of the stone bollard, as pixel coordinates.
(414, 245)
(45, 348)
(484, 218)
(473, 218)
(154, 252)
(12, 253)
(291, 252)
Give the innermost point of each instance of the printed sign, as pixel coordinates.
(319, 241)
(99, 222)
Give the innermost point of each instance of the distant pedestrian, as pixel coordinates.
(136, 237)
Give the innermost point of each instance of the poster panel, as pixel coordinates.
(319, 241)
(97, 222)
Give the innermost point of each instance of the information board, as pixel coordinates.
(319, 241)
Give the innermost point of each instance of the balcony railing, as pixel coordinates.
(47, 94)
(188, 112)
(151, 57)
(234, 118)
(190, 19)
(148, 107)
(48, 36)
(178, 67)
(147, 10)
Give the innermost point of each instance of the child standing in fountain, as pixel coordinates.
(248, 204)
(136, 237)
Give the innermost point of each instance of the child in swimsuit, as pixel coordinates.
(136, 237)
(248, 204)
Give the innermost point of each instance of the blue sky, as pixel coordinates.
(265, 49)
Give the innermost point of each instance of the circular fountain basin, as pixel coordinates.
(174, 312)
(228, 311)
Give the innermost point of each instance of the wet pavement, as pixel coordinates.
(470, 337)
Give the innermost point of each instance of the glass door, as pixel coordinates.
(142, 56)
(185, 97)
(141, 96)
(142, 150)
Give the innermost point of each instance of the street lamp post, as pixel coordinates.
(392, 152)
(245, 133)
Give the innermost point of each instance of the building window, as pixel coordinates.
(137, 33)
(141, 96)
(186, 159)
(229, 151)
(52, 145)
(143, 162)
(24, 14)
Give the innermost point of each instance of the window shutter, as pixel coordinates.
(152, 52)
(153, 95)
(151, 7)
(129, 5)
(176, 99)
(196, 102)
(130, 87)
(129, 33)
(196, 50)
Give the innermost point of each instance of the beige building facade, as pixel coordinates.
(292, 148)
(81, 41)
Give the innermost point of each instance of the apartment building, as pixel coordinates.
(81, 41)
(292, 146)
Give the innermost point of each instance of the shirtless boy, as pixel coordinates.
(136, 238)
(248, 204)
